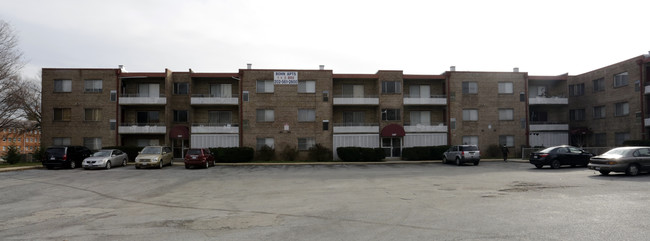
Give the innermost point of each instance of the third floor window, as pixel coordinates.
(62, 85)
(620, 79)
(470, 88)
(391, 87)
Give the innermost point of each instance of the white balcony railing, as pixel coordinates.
(431, 100)
(151, 128)
(136, 99)
(548, 127)
(646, 121)
(646, 89)
(554, 100)
(356, 128)
(350, 100)
(214, 100)
(425, 128)
(210, 128)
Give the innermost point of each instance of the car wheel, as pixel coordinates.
(555, 164)
(73, 165)
(444, 160)
(539, 166)
(458, 161)
(160, 164)
(207, 164)
(604, 173)
(124, 163)
(171, 162)
(476, 163)
(632, 170)
(108, 165)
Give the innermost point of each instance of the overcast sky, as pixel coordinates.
(548, 37)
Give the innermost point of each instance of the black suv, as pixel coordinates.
(65, 156)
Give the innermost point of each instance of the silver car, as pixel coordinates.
(461, 154)
(631, 160)
(105, 159)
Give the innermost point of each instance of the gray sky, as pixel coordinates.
(548, 37)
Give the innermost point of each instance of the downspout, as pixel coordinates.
(118, 72)
(527, 110)
(241, 107)
(642, 95)
(448, 119)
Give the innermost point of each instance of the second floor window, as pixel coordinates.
(264, 115)
(62, 85)
(599, 85)
(470, 115)
(620, 79)
(93, 86)
(622, 109)
(308, 86)
(265, 86)
(92, 114)
(221, 90)
(180, 115)
(577, 114)
(351, 118)
(62, 114)
(506, 114)
(599, 112)
(181, 88)
(505, 88)
(220, 117)
(470, 88)
(306, 115)
(390, 114)
(391, 87)
(148, 117)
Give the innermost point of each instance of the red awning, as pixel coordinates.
(180, 132)
(392, 130)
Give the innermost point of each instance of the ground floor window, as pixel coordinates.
(93, 143)
(470, 140)
(261, 142)
(305, 143)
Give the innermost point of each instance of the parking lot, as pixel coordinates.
(424, 201)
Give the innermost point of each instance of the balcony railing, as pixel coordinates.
(425, 100)
(140, 99)
(356, 127)
(142, 128)
(352, 100)
(208, 99)
(548, 100)
(439, 127)
(206, 128)
(548, 126)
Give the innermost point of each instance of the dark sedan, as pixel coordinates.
(560, 155)
(631, 160)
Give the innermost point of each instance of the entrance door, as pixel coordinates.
(392, 146)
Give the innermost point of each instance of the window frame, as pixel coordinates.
(264, 85)
(265, 115)
(470, 87)
(506, 110)
(621, 79)
(307, 87)
(505, 87)
(305, 143)
(387, 113)
(63, 114)
(94, 113)
(309, 113)
(600, 112)
(391, 87)
(180, 90)
(625, 109)
(467, 114)
(93, 89)
(599, 85)
(178, 114)
(65, 86)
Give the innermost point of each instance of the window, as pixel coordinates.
(148, 142)
(600, 139)
(63, 85)
(244, 96)
(577, 90)
(148, 90)
(92, 114)
(113, 95)
(326, 96)
(420, 91)
(505, 88)
(470, 88)
(306, 115)
(470, 115)
(180, 115)
(506, 114)
(148, 117)
(62, 114)
(265, 86)
(470, 140)
(577, 115)
(509, 141)
(622, 109)
(93, 85)
(353, 118)
(265, 115)
(264, 142)
(621, 137)
(308, 86)
(220, 117)
(93, 143)
(221, 90)
(420, 118)
(390, 114)
(181, 88)
(391, 87)
(599, 112)
(599, 85)
(326, 125)
(305, 143)
(620, 79)
(61, 141)
(352, 91)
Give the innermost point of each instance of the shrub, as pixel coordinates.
(360, 154)
(320, 153)
(289, 154)
(38, 154)
(232, 154)
(131, 151)
(266, 153)
(423, 152)
(13, 155)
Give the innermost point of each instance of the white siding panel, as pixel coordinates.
(371, 141)
(212, 140)
(430, 139)
(548, 139)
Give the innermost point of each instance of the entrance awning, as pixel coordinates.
(392, 130)
(180, 132)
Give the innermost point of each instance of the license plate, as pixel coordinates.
(194, 156)
(535, 157)
(145, 164)
(52, 158)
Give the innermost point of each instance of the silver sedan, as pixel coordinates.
(105, 159)
(631, 160)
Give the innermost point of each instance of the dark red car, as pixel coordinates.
(198, 157)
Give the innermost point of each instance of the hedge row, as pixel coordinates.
(423, 153)
(233, 154)
(360, 154)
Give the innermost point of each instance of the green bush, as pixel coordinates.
(232, 154)
(360, 154)
(131, 151)
(289, 154)
(424, 152)
(266, 153)
(320, 153)
(636, 143)
(13, 155)
(38, 154)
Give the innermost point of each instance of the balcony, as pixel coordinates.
(646, 121)
(207, 99)
(351, 100)
(214, 128)
(553, 100)
(340, 128)
(431, 100)
(646, 89)
(138, 99)
(140, 128)
(418, 128)
(548, 126)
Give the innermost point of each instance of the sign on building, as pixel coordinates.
(285, 78)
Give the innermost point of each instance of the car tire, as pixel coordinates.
(444, 160)
(555, 164)
(124, 163)
(632, 170)
(539, 166)
(108, 165)
(458, 163)
(72, 165)
(476, 163)
(160, 164)
(207, 164)
(171, 162)
(604, 173)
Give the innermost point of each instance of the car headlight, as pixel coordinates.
(155, 159)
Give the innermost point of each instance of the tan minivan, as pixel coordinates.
(154, 156)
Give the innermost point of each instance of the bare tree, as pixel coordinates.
(29, 101)
(11, 62)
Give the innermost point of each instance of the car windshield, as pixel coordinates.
(151, 150)
(548, 150)
(616, 151)
(194, 152)
(102, 153)
(469, 148)
(56, 151)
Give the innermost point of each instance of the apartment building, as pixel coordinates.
(288, 108)
(27, 141)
